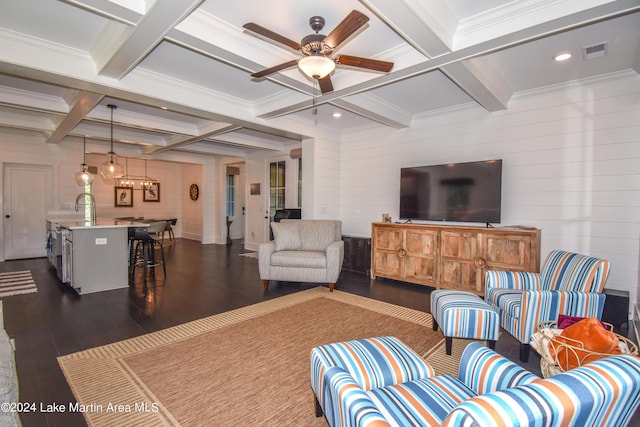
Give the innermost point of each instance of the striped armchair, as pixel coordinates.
(569, 283)
(380, 382)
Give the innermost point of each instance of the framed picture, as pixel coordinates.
(151, 193)
(254, 189)
(123, 197)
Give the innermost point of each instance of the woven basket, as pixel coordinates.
(545, 339)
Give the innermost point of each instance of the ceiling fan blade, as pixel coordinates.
(348, 26)
(325, 84)
(369, 64)
(271, 35)
(275, 68)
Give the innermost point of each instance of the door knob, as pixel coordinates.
(7, 216)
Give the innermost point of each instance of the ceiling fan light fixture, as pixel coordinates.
(316, 66)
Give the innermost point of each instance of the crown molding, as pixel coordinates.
(578, 83)
(24, 99)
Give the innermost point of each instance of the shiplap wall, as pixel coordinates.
(191, 214)
(174, 173)
(321, 178)
(169, 176)
(571, 166)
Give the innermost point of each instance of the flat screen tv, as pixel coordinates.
(460, 192)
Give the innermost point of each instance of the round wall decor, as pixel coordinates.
(194, 192)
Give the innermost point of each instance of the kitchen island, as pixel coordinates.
(95, 255)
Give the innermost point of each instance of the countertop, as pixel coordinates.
(100, 223)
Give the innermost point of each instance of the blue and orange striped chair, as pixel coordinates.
(569, 283)
(380, 382)
(601, 393)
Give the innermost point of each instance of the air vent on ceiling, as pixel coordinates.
(594, 51)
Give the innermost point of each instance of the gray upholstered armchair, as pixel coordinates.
(307, 250)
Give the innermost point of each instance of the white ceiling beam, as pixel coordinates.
(518, 15)
(191, 35)
(241, 140)
(212, 149)
(176, 141)
(27, 100)
(429, 31)
(121, 49)
(112, 10)
(81, 105)
(121, 134)
(376, 109)
(8, 118)
(480, 81)
(563, 23)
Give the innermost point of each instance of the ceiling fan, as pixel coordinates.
(317, 49)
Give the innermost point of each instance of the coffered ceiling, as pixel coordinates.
(180, 71)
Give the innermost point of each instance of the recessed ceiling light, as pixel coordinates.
(562, 56)
(337, 115)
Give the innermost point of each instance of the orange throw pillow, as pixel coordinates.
(595, 339)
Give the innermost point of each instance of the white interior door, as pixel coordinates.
(277, 189)
(26, 199)
(239, 231)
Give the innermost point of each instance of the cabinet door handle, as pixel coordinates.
(402, 253)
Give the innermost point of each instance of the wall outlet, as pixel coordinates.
(253, 236)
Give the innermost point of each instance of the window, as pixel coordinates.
(231, 195)
(277, 186)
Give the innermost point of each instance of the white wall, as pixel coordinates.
(65, 159)
(571, 166)
(256, 206)
(321, 178)
(168, 175)
(191, 212)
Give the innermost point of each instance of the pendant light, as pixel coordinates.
(111, 169)
(84, 177)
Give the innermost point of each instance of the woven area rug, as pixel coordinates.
(248, 366)
(16, 283)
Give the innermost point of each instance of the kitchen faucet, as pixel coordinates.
(93, 205)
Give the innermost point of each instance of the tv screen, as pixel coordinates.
(462, 192)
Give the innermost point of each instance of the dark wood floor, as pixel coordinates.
(201, 280)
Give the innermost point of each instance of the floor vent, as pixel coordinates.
(594, 51)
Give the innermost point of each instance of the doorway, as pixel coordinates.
(27, 196)
(235, 200)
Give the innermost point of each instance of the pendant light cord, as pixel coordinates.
(315, 97)
(84, 150)
(113, 107)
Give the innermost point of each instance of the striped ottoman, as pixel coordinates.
(463, 314)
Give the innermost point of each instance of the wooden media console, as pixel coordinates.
(450, 257)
